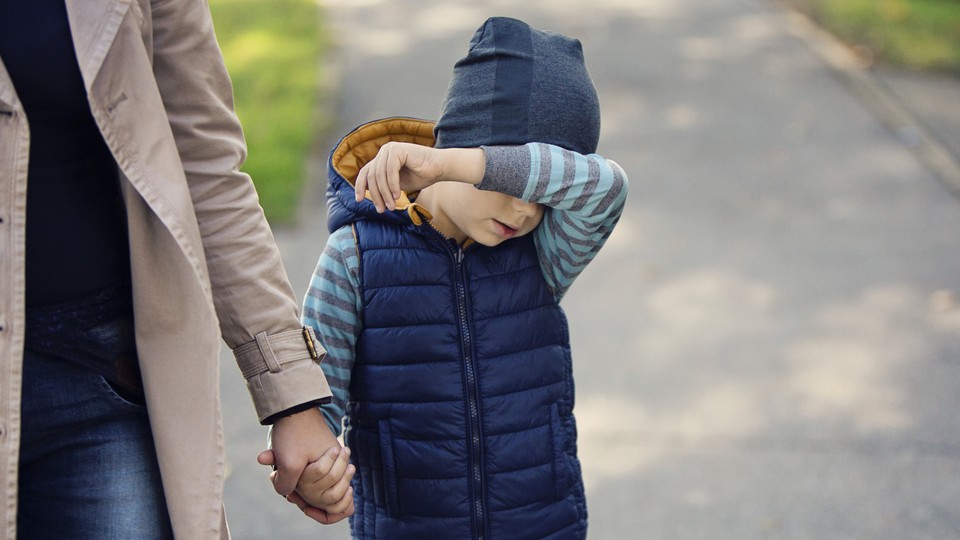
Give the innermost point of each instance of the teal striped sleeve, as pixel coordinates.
(332, 307)
(584, 196)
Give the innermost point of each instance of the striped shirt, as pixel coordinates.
(584, 196)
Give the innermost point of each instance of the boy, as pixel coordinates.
(437, 296)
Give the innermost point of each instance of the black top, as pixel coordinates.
(76, 237)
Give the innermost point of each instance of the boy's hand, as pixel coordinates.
(398, 167)
(411, 167)
(327, 486)
(318, 515)
(325, 483)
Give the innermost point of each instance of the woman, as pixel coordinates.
(129, 243)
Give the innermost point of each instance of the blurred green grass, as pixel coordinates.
(272, 49)
(915, 34)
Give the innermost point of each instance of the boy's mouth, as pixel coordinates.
(505, 230)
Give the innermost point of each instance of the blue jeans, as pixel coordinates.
(88, 467)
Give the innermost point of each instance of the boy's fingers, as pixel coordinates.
(338, 489)
(322, 517)
(393, 174)
(327, 461)
(343, 503)
(316, 476)
(325, 517)
(326, 473)
(360, 185)
(341, 494)
(384, 189)
(331, 515)
(340, 465)
(348, 511)
(366, 182)
(373, 189)
(329, 486)
(381, 175)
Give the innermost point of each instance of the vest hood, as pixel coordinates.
(354, 151)
(518, 85)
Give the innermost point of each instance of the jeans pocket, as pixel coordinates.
(114, 345)
(124, 398)
(94, 331)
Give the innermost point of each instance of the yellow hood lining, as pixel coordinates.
(362, 144)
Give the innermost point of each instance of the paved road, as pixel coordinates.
(769, 346)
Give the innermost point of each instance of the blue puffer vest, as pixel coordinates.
(460, 417)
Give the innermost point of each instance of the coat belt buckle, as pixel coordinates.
(308, 338)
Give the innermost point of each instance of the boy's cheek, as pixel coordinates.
(535, 222)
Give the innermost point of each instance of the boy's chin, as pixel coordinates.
(490, 240)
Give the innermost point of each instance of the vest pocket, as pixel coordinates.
(390, 496)
(561, 464)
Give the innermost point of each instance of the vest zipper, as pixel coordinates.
(473, 407)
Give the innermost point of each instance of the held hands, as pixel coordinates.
(323, 491)
(411, 167)
(306, 454)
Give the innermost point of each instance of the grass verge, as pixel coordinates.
(916, 34)
(272, 49)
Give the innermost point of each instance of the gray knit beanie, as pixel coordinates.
(518, 85)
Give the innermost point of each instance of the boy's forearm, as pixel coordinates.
(463, 165)
(589, 187)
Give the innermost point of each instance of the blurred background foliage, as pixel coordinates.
(272, 49)
(915, 34)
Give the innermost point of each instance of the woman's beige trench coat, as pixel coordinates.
(200, 247)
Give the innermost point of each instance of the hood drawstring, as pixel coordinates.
(418, 214)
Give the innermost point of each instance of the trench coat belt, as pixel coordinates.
(269, 353)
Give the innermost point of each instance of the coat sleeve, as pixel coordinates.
(251, 292)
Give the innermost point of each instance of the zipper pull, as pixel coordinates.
(459, 254)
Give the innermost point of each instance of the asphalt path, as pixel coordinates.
(769, 344)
